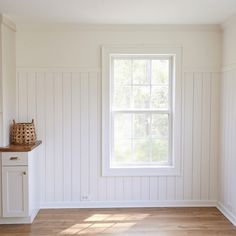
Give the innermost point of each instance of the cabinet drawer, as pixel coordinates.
(14, 158)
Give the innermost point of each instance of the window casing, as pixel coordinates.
(140, 116)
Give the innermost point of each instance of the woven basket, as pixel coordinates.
(23, 133)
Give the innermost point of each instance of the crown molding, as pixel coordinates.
(112, 27)
(228, 22)
(4, 20)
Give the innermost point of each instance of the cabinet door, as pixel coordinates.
(15, 191)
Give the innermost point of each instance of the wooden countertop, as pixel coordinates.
(20, 148)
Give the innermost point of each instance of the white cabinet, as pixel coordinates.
(20, 185)
(15, 191)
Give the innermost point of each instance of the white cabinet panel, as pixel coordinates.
(15, 191)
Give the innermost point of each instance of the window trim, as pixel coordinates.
(172, 51)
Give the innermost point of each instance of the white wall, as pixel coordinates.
(229, 47)
(59, 84)
(227, 164)
(66, 45)
(7, 82)
(7, 77)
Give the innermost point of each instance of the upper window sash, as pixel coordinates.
(150, 84)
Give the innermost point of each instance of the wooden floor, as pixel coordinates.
(126, 222)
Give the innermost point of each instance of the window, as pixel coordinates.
(139, 112)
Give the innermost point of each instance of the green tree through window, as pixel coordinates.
(141, 105)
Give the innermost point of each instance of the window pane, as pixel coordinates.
(160, 97)
(122, 126)
(141, 150)
(160, 126)
(140, 137)
(160, 150)
(160, 72)
(122, 149)
(140, 72)
(122, 72)
(141, 125)
(141, 97)
(122, 97)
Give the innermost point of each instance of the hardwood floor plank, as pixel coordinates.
(126, 222)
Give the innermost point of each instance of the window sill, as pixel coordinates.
(141, 171)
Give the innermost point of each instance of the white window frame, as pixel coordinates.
(175, 53)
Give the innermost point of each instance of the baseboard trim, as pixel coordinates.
(19, 220)
(127, 204)
(16, 220)
(226, 213)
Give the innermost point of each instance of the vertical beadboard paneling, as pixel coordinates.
(162, 188)
(22, 96)
(31, 98)
(188, 135)
(58, 136)
(179, 180)
(127, 188)
(145, 188)
(227, 161)
(102, 189)
(228, 127)
(119, 183)
(111, 189)
(197, 134)
(171, 188)
(67, 108)
(214, 136)
(94, 86)
(75, 132)
(41, 134)
(102, 181)
(49, 137)
(17, 94)
(153, 188)
(206, 126)
(233, 160)
(225, 143)
(67, 138)
(85, 119)
(136, 188)
(179, 188)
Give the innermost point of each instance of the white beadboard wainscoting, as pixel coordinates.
(66, 104)
(227, 161)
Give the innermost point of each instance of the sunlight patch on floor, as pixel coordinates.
(105, 223)
(115, 217)
(98, 217)
(98, 228)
